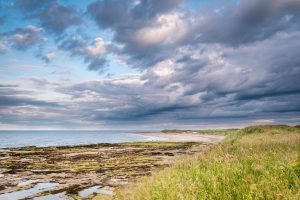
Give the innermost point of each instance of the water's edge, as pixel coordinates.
(16, 139)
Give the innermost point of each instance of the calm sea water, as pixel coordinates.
(61, 138)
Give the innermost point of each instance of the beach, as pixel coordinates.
(81, 171)
(184, 137)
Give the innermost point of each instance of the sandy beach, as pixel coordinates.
(184, 137)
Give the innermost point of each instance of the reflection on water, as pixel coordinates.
(59, 196)
(95, 189)
(88, 191)
(27, 183)
(40, 187)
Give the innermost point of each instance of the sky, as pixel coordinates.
(148, 64)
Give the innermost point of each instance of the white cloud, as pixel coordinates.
(3, 48)
(98, 49)
(263, 121)
(168, 28)
(164, 68)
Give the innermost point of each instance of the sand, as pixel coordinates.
(184, 137)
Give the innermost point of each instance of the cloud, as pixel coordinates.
(7, 86)
(30, 106)
(3, 48)
(134, 26)
(167, 28)
(22, 38)
(52, 15)
(232, 54)
(109, 13)
(10, 95)
(248, 21)
(98, 64)
(236, 63)
(149, 33)
(17, 101)
(93, 54)
(48, 57)
(98, 50)
(202, 81)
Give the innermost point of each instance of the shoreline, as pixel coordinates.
(184, 137)
(152, 137)
(63, 138)
(73, 169)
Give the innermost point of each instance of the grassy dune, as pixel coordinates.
(252, 163)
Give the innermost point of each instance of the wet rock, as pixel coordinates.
(48, 171)
(156, 153)
(78, 167)
(169, 154)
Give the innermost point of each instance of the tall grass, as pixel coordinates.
(251, 163)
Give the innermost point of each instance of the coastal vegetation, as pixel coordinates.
(258, 162)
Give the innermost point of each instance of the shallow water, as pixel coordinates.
(88, 191)
(59, 196)
(40, 187)
(95, 189)
(62, 138)
(27, 183)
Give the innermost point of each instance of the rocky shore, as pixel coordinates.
(80, 172)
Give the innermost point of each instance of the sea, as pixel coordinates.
(64, 138)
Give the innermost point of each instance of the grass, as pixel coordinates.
(259, 162)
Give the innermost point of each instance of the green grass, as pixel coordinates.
(259, 162)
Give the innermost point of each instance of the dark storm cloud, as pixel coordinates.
(52, 15)
(109, 14)
(201, 82)
(204, 79)
(249, 21)
(235, 24)
(261, 67)
(240, 61)
(126, 14)
(250, 72)
(118, 101)
(122, 99)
